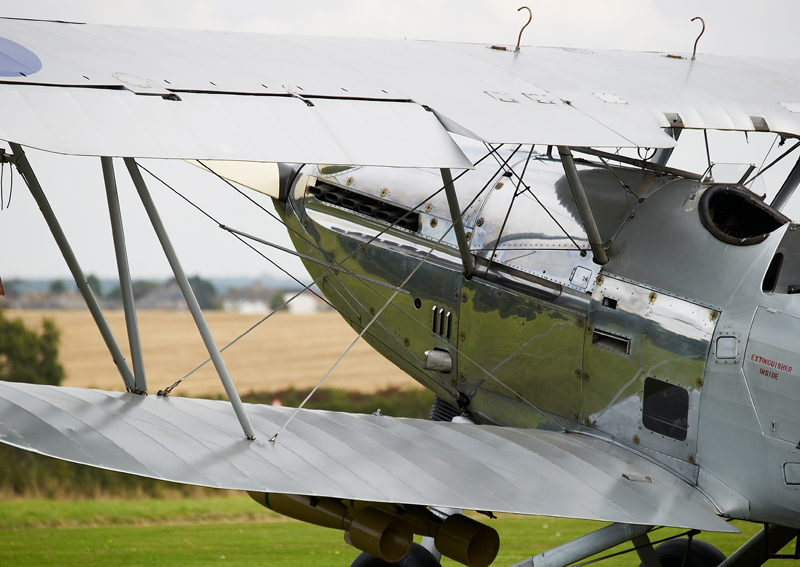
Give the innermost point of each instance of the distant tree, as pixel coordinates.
(204, 291)
(277, 300)
(94, 284)
(12, 287)
(57, 287)
(29, 356)
(140, 289)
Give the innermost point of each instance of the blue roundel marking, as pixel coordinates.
(17, 61)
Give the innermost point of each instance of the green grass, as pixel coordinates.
(236, 531)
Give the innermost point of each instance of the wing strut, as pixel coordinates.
(586, 546)
(600, 256)
(125, 286)
(191, 300)
(72, 262)
(458, 225)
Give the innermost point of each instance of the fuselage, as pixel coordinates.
(682, 347)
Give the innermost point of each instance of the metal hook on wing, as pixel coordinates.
(694, 52)
(530, 17)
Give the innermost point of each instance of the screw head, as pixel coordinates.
(579, 322)
(434, 222)
(463, 297)
(453, 381)
(406, 342)
(587, 422)
(480, 222)
(713, 315)
(462, 336)
(428, 207)
(349, 181)
(585, 376)
(690, 458)
(589, 330)
(469, 236)
(652, 296)
(699, 382)
(462, 377)
(636, 439)
(372, 311)
(384, 192)
(499, 185)
(599, 280)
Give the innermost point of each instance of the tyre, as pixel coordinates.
(417, 557)
(701, 554)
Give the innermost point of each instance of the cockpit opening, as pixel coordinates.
(737, 216)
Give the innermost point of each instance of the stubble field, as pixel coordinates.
(285, 351)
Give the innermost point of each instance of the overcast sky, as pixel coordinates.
(765, 28)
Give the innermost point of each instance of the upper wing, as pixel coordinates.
(358, 457)
(88, 89)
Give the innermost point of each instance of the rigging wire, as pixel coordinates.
(763, 161)
(306, 288)
(389, 301)
(179, 194)
(528, 190)
(689, 533)
(775, 161)
(511, 206)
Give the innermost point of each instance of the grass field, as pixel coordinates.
(236, 531)
(285, 351)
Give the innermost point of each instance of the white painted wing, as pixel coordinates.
(237, 92)
(360, 457)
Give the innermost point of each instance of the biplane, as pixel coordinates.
(608, 337)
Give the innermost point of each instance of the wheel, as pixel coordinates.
(701, 554)
(417, 557)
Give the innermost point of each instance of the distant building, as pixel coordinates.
(258, 299)
(167, 297)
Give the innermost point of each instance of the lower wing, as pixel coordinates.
(350, 456)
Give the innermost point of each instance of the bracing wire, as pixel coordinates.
(546, 210)
(389, 302)
(305, 288)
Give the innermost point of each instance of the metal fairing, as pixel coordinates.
(578, 354)
(667, 339)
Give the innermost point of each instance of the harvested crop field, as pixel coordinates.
(285, 351)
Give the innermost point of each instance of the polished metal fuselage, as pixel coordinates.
(543, 337)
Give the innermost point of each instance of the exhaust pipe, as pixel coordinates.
(334, 197)
(318, 191)
(386, 530)
(352, 203)
(367, 209)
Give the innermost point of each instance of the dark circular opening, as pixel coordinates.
(417, 303)
(737, 216)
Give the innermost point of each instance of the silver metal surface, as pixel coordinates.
(589, 224)
(191, 300)
(360, 457)
(669, 340)
(126, 289)
(74, 267)
(438, 360)
(586, 546)
(87, 121)
(534, 100)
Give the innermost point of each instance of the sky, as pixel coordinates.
(74, 185)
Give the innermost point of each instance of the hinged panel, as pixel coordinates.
(532, 350)
(636, 334)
